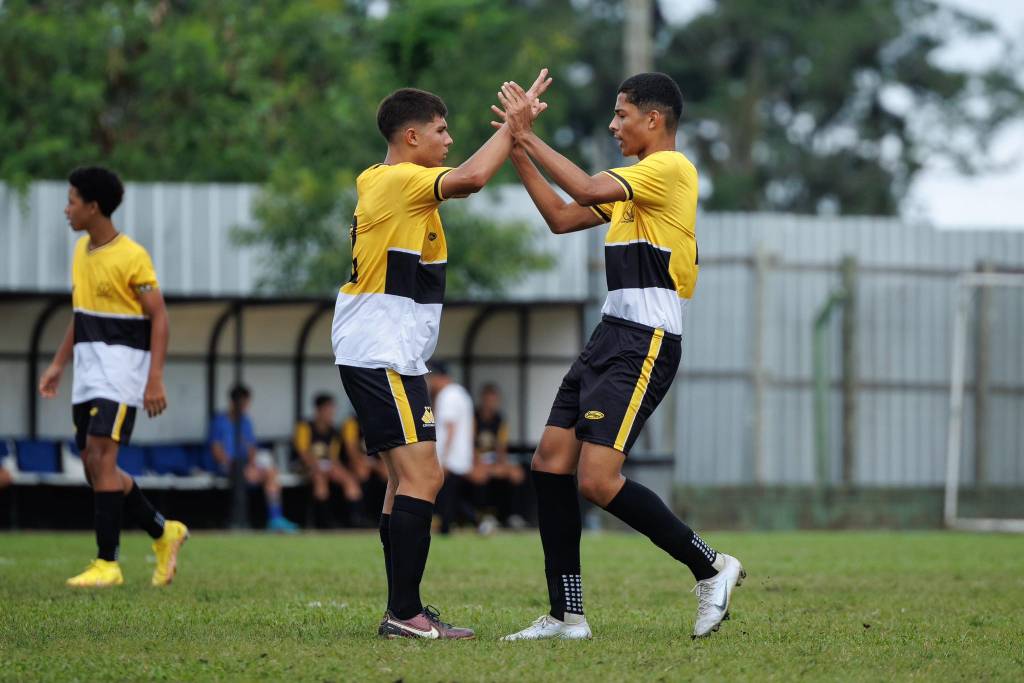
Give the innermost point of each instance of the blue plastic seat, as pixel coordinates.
(37, 456)
(169, 460)
(132, 459)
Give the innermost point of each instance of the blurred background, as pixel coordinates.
(856, 160)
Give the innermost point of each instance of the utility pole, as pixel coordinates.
(637, 45)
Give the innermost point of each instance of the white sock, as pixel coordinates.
(719, 563)
(573, 619)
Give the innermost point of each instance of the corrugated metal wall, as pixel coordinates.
(733, 419)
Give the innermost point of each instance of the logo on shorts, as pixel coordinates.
(94, 411)
(428, 416)
(594, 415)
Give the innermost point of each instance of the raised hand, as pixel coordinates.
(518, 108)
(539, 87)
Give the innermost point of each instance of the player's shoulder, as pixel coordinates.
(130, 247)
(669, 160)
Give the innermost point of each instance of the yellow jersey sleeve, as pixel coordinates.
(303, 438)
(422, 186)
(647, 182)
(141, 274)
(604, 211)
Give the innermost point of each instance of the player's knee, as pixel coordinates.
(595, 488)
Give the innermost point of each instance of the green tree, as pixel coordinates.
(828, 105)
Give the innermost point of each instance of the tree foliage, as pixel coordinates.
(797, 105)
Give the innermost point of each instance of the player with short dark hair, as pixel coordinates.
(386, 323)
(317, 444)
(629, 363)
(118, 340)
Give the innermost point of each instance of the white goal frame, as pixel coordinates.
(967, 285)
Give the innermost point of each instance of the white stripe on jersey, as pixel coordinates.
(651, 306)
(624, 244)
(375, 329)
(110, 371)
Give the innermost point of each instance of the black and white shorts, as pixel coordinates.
(619, 378)
(393, 410)
(103, 417)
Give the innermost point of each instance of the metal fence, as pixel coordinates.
(744, 408)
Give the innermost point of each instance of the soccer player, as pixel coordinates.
(317, 444)
(629, 363)
(118, 339)
(386, 324)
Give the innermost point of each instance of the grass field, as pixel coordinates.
(816, 606)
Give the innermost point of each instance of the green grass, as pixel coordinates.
(816, 606)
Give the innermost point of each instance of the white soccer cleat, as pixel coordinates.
(548, 627)
(714, 596)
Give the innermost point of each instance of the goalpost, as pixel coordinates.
(974, 294)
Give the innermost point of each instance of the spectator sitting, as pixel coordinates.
(233, 445)
(453, 412)
(370, 470)
(505, 479)
(317, 444)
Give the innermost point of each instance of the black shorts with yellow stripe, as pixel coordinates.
(103, 417)
(623, 373)
(393, 410)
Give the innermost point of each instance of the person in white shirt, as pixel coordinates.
(453, 412)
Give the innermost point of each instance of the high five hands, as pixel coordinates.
(521, 107)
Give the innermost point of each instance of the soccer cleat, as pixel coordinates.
(426, 624)
(99, 574)
(285, 526)
(548, 627)
(714, 596)
(166, 550)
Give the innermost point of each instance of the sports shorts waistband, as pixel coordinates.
(612, 320)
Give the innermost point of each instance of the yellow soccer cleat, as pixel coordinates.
(99, 574)
(166, 550)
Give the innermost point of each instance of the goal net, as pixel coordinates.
(985, 450)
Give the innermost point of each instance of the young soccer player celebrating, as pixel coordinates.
(118, 338)
(386, 324)
(629, 363)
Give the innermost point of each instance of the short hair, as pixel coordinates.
(239, 392)
(100, 185)
(655, 91)
(408, 105)
(320, 400)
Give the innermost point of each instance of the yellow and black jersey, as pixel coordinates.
(322, 444)
(112, 332)
(387, 315)
(651, 257)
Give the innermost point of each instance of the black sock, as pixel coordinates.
(108, 523)
(410, 544)
(641, 508)
(142, 511)
(385, 541)
(558, 516)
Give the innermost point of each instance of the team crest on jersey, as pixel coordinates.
(594, 415)
(432, 236)
(627, 214)
(428, 416)
(105, 290)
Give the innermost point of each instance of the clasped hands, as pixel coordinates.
(520, 108)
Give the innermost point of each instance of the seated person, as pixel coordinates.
(237, 456)
(317, 445)
(505, 479)
(369, 470)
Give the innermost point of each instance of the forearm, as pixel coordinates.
(476, 171)
(560, 216)
(159, 336)
(67, 346)
(566, 174)
(219, 454)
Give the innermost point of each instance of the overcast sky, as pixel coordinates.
(940, 195)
